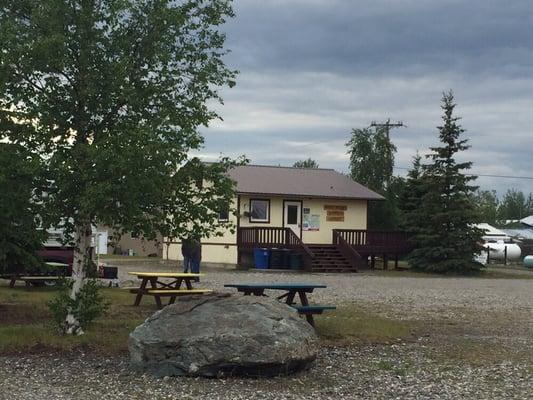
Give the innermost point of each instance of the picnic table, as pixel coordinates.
(37, 279)
(291, 290)
(159, 288)
(29, 280)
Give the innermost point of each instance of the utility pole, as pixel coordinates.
(387, 125)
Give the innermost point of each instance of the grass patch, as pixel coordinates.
(26, 323)
(353, 324)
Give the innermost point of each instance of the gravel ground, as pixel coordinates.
(491, 316)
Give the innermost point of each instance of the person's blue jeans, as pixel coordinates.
(187, 264)
(195, 267)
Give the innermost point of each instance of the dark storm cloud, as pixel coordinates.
(312, 70)
(368, 37)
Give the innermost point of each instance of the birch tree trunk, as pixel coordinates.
(82, 257)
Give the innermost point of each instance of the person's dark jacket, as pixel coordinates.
(196, 250)
(186, 247)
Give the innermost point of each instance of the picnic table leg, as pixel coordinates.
(140, 292)
(188, 284)
(305, 302)
(179, 281)
(12, 283)
(289, 297)
(153, 283)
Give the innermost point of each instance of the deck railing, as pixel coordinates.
(250, 237)
(360, 238)
(347, 250)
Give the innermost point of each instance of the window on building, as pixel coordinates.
(223, 214)
(259, 210)
(292, 214)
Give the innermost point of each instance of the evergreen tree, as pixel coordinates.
(446, 239)
(410, 198)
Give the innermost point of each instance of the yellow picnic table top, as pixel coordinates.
(165, 275)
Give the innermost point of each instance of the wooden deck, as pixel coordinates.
(349, 250)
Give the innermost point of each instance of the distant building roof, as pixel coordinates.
(299, 182)
(527, 220)
(523, 233)
(490, 230)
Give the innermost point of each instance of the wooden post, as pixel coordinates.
(505, 256)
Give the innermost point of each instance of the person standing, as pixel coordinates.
(196, 256)
(186, 247)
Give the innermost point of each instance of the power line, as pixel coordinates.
(486, 175)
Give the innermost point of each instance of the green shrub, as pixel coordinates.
(87, 306)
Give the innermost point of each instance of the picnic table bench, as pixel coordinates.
(159, 288)
(291, 289)
(28, 280)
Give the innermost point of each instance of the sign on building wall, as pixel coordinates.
(335, 213)
(311, 222)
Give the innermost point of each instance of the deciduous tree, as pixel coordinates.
(20, 224)
(308, 163)
(112, 94)
(487, 203)
(371, 164)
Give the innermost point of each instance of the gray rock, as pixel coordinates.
(222, 335)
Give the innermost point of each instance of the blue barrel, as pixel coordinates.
(295, 261)
(261, 257)
(528, 261)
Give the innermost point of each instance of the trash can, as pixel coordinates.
(261, 257)
(295, 261)
(276, 258)
(528, 261)
(110, 273)
(285, 258)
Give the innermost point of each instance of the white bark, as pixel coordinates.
(81, 259)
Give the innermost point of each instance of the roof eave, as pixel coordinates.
(312, 196)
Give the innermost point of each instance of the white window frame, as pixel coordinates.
(260, 220)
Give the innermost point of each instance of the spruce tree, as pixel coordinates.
(410, 198)
(446, 237)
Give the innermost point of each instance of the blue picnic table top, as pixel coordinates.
(278, 286)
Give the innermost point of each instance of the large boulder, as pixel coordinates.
(221, 335)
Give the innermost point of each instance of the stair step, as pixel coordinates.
(328, 258)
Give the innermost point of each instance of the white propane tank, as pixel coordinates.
(497, 251)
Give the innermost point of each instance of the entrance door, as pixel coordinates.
(292, 216)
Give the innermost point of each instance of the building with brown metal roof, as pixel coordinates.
(320, 214)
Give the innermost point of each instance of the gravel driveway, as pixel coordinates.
(492, 316)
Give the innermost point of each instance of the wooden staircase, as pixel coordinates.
(328, 258)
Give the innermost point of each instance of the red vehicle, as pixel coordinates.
(58, 254)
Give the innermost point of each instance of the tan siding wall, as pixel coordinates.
(223, 249)
(354, 218)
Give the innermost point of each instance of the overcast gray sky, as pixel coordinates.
(311, 70)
